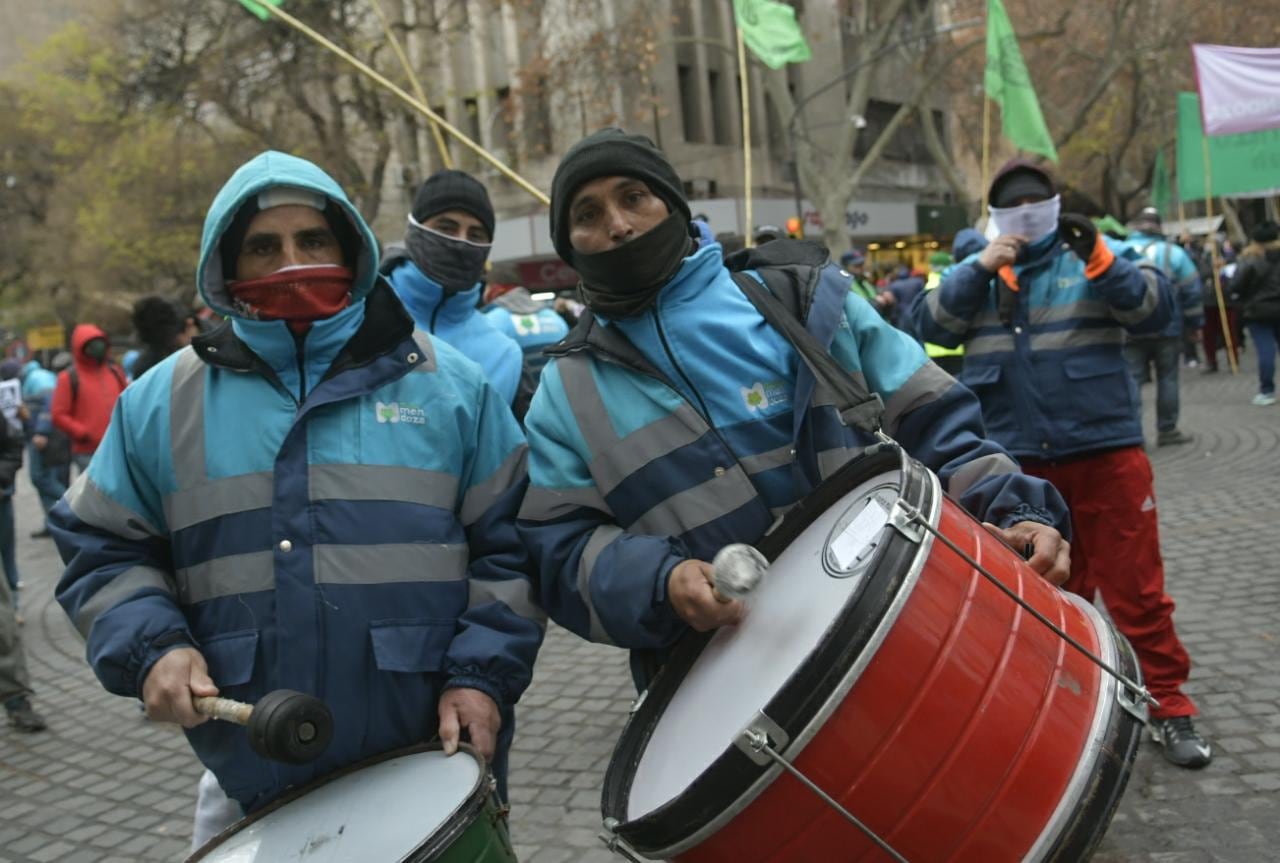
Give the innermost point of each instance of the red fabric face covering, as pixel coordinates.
(298, 296)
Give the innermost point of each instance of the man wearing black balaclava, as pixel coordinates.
(674, 420)
(437, 274)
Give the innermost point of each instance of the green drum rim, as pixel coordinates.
(485, 840)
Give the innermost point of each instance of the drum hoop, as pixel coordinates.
(1100, 732)
(677, 838)
(471, 806)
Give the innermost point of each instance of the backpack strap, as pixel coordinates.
(857, 406)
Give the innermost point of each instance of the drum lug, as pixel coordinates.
(760, 734)
(1133, 703)
(616, 843)
(905, 519)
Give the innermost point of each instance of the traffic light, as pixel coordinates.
(795, 228)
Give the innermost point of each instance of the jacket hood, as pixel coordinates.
(82, 334)
(967, 242)
(265, 171)
(518, 301)
(30, 367)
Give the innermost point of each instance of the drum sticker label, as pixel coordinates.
(855, 537)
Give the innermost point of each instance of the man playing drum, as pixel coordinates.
(672, 422)
(311, 497)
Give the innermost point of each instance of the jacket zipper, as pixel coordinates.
(666, 346)
(302, 374)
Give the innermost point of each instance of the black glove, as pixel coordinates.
(1079, 233)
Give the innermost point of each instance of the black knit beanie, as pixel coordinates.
(1019, 178)
(233, 237)
(453, 190)
(610, 152)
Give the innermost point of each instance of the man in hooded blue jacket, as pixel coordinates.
(311, 497)
(437, 274)
(671, 423)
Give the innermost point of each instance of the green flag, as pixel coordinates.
(1161, 194)
(257, 7)
(771, 32)
(1244, 164)
(1007, 82)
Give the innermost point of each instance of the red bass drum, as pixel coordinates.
(886, 669)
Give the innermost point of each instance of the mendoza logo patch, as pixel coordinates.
(527, 325)
(397, 412)
(762, 394)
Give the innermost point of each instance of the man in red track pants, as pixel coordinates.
(1043, 313)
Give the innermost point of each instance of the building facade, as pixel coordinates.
(527, 80)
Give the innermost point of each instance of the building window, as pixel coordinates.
(907, 143)
(756, 119)
(720, 133)
(689, 113)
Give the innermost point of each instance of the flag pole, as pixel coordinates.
(399, 92)
(1213, 254)
(986, 151)
(746, 133)
(413, 79)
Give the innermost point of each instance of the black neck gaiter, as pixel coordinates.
(623, 282)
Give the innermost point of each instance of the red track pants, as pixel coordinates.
(1115, 549)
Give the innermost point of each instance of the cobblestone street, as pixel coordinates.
(103, 784)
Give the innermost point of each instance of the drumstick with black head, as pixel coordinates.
(286, 726)
(736, 571)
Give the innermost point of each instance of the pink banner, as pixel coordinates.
(1239, 88)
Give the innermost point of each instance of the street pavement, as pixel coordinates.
(103, 785)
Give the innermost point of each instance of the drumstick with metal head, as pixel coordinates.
(286, 726)
(736, 571)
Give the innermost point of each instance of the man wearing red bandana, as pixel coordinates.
(311, 497)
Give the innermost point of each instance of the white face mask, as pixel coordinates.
(1032, 221)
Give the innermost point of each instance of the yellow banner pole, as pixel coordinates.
(986, 154)
(1227, 335)
(413, 79)
(409, 100)
(746, 136)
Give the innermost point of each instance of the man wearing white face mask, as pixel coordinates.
(437, 275)
(1042, 313)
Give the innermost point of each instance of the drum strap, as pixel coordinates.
(857, 406)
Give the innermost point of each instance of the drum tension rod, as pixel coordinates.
(616, 843)
(1138, 690)
(759, 742)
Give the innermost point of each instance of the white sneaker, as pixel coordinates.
(1264, 399)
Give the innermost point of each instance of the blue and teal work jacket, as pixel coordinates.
(332, 514)
(532, 325)
(693, 425)
(1185, 289)
(456, 319)
(1053, 382)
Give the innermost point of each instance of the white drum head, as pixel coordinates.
(380, 812)
(743, 667)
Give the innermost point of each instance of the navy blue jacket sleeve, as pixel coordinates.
(596, 579)
(118, 587)
(500, 632)
(939, 422)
